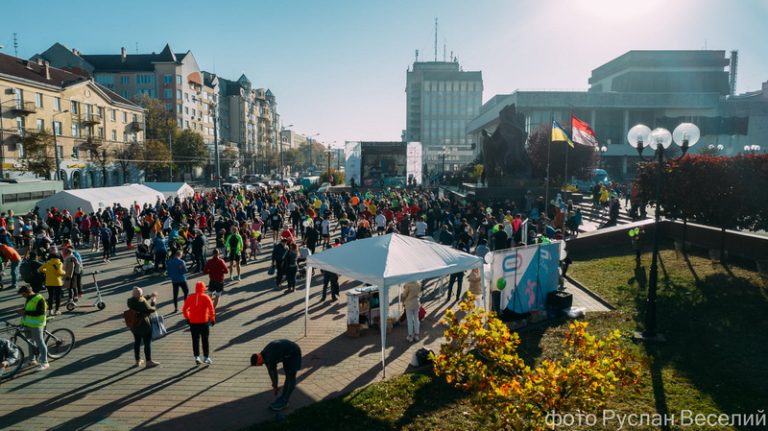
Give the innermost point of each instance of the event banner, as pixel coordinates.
(414, 154)
(525, 275)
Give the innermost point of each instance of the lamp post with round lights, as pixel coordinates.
(752, 149)
(659, 140)
(600, 151)
(715, 148)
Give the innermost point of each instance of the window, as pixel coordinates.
(57, 103)
(179, 109)
(75, 153)
(75, 130)
(125, 136)
(186, 124)
(101, 133)
(114, 135)
(40, 124)
(168, 93)
(125, 79)
(186, 110)
(178, 79)
(125, 117)
(74, 107)
(38, 100)
(169, 107)
(145, 79)
(135, 118)
(19, 97)
(101, 112)
(193, 112)
(113, 115)
(178, 94)
(186, 96)
(167, 79)
(60, 152)
(57, 127)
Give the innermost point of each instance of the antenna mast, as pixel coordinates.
(435, 38)
(445, 47)
(15, 45)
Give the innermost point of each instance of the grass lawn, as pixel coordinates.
(714, 359)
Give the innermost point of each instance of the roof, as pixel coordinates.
(132, 62)
(660, 59)
(100, 197)
(31, 71)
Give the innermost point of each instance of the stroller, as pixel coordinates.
(144, 259)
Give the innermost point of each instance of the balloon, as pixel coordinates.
(501, 283)
(355, 200)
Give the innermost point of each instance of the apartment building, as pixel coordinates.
(85, 118)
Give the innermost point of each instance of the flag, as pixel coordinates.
(559, 134)
(582, 133)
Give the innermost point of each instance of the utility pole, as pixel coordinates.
(170, 149)
(216, 148)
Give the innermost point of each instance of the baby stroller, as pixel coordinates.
(144, 259)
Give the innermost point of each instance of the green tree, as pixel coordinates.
(189, 151)
(157, 120)
(39, 153)
(126, 155)
(155, 159)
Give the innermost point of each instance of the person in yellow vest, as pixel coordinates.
(33, 321)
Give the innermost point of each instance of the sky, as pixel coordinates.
(338, 68)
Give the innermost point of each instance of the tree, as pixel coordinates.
(126, 155)
(189, 150)
(155, 159)
(480, 356)
(157, 120)
(581, 159)
(39, 153)
(228, 158)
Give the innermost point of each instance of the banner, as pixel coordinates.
(525, 275)
(352, 162)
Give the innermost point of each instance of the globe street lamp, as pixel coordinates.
(713, 147)
(659, 140)
(600, 151)
(752, 149)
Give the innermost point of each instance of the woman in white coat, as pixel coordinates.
(410, 297)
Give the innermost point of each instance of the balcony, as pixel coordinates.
(89, 120)
(137, 126)
(24, 108)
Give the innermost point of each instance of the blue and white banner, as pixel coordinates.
(525, 275)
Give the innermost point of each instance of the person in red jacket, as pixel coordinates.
(216, 268)
(199, 312)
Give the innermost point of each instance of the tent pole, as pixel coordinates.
(383, 315)
(486, 296)
(306, 297)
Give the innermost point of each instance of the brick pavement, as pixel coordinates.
(95, 386)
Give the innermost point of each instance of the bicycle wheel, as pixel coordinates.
(59, 342)
(13, 369)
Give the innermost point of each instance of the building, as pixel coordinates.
(90, 124)
(248, 120)
(656, 88)
(441, 99)
(292, 140)
(173, 78)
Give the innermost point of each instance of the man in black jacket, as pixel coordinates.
(289, 354)
(278, 253)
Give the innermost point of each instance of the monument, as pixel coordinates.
(505, 159)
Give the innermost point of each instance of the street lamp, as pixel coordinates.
(55, 144)
(309, 144)
(600, 151)
(713, 147)
(752, 149)
(329, 151)
(685, 135)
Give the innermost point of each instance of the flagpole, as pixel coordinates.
(549, 147)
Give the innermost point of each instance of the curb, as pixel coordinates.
(594, 295)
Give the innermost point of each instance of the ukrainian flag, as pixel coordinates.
(559, 134)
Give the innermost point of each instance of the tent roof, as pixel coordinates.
(99, 197)
(165, 186)
(393, 259)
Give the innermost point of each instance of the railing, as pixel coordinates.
(137, 126)
(24, 108)
(90, 119)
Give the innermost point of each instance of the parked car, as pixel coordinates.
(274, 183)
(251, 179)
(324, 187)
(288, 182)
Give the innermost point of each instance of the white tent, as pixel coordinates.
(386, 261)
(172, 190)
(90, 200)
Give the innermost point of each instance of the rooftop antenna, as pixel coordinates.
(444, 51)
(417, 56)
(435, 38)
(137, 48)
(451, 56)
(15, 45)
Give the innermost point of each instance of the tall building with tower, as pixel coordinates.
(441, 99)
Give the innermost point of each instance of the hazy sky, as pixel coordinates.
(338, 67)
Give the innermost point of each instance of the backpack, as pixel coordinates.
(25, 269)
(77, 262)
(132, 318)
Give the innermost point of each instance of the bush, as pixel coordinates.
(480, 357)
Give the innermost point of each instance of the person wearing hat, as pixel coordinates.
(410, 297)
(287, 352)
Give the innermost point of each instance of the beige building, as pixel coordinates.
(89, 122)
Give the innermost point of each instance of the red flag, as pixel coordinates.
(582, 133)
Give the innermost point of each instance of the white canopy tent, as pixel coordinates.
(386, 261)
(172, 190)
(90, 200)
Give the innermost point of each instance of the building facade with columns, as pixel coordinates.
(90, 124)
(656, 88)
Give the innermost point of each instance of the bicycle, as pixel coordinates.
(60, 342)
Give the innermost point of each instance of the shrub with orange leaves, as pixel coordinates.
(480, 357)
